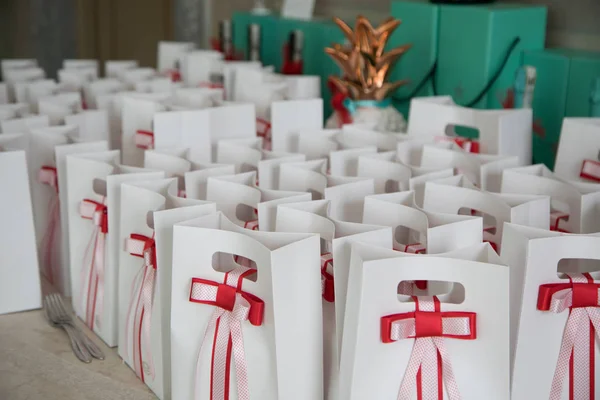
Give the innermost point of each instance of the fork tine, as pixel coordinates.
(63, 307)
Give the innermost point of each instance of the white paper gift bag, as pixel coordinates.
(36, 90)
(229, 70)
(345, 162)
(174, 162)
(112, 68)
(19, 275)
(92, 90)
(388, 175)
(556, 321)
(346, 193)
(484, 170)
(73, 80)
(501, 132)
(420, 231)
(289, 118)
(448, 346)
(196, 181)
(274, 321)
(243, 153)
(45, 201)
(302, 87)
(137, 132)
(145, 279)
(93, 124)
(16, 64)
(336, 236)
(93, 202)
(198, 98)
(14, 141)
(198, 65)
(80, 64)
(353, 136)
(268, 167)
(130, 76)
(57, 107)
(238, 197)
(170, 55)
(317, 143)
(24, 125)
(14, 75)
(495, 208)
(574, 205)
(14, 110)
(578, 155)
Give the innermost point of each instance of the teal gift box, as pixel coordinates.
(565, 84)
(419, 27)
(268, 28)
(474, 42)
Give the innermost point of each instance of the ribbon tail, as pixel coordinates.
(135, 288)
(239, 357)
(211, 327)
(410, 375)
(48, 239)
(147, 298)
(564, 356)
(447, 370)
(100, 255)
(88, 275)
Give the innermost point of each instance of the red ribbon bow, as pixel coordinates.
(93, 299)
(232, 55)
(233, 307)
(590, 169)
(47, 175)
(174, 75)
(429, 364)
(581, 296)
(327, 277)
(468, 145)
(144, 139)
(141, 302)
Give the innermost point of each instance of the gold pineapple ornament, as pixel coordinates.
(365, 66)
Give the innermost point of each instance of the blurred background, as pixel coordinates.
(52, 30)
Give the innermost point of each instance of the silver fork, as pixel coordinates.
(65, 318)
(78, 348)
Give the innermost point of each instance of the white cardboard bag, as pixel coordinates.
(346, 193)
(578, 155)
(144, 284)
(484, 170)
(317, 143)
(196, 181)
(268, 167)
(435, 232)
(282, 325)
(171, 53)
(574, 205)
(289, 118)
(19, 274)
(501, 132)
(112, 68)
(388, 174)
(542, 297)
(380, 355)
(60, 157)
(238, 197)
(46, 203)
(59, 106)
(92, 208)
(93, 124)
(336, 237)
(450, 196)
(24, 125)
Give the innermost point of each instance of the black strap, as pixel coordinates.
(431, 75)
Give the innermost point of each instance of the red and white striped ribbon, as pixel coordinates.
(140, 304)
(428, 326)
(47, 175)
(555, 220)
(92, 293)
(590, 169)
(408, 287)
(144, 139)
(582, 298)
(252, 225)
(233, 307)
(327, 286)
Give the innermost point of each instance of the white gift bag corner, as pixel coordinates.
(578, 155)
(290, 117)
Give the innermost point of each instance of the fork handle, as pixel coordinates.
(78, 348)
(93, 349)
